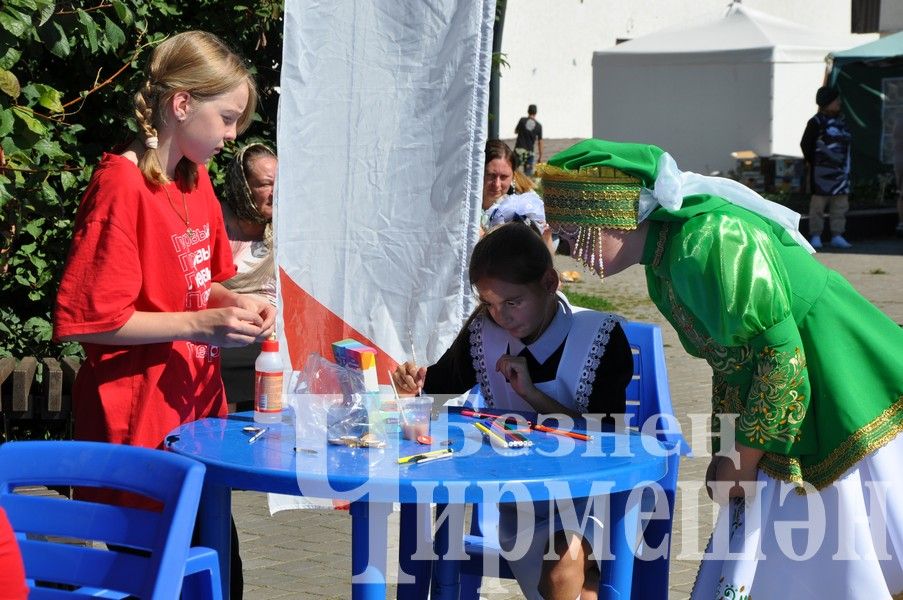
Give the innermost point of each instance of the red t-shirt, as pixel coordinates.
(132, 251)
(12, 571)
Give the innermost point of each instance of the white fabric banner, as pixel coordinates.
(382, 123)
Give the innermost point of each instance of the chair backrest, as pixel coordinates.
(143, 552)
(648, 394)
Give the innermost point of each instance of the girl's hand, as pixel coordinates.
(409, 379)
(265, 310)
(514, 369)
(230, 327)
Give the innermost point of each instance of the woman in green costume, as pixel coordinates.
(811, 370)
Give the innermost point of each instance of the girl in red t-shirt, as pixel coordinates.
(141, 290)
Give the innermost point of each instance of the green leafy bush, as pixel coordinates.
(588, 301)
(67, 74)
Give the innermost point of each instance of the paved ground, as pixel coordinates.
(306, 554)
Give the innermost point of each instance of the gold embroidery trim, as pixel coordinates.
(725, 400)
(775, 406)
(722, 359)
(585, 208)
(660, 244)
(591, 174)
(783, 467)
(592, 196)
(866, 440)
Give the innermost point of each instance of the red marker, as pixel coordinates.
(570, 434)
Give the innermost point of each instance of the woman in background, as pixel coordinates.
(508, 194)
(247, 203)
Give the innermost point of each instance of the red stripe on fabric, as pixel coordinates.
(311, 327)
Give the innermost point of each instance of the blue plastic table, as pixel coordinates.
(371, 480)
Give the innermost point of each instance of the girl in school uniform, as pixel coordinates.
(530, 350)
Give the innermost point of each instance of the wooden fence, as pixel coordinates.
(36, 397)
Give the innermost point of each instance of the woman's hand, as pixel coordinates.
(230, 320)
(228, 327)
(710, 475)
(722, 468)
(264, 318)
(408, 379)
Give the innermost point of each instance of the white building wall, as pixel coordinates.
(695, 138)
(549, 46)
(890, 19)
(794, 90)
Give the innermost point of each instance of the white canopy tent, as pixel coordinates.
(744, 81)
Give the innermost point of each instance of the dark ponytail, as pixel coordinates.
(513, 253)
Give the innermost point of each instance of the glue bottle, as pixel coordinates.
(268, 383)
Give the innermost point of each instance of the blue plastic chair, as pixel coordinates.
(146, 553)
(647, 396)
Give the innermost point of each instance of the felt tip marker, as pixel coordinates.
(423, 455)
(570, 434)
(431, 458)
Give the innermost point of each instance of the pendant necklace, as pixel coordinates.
(186, 218)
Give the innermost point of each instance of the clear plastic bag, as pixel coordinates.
(330, 403)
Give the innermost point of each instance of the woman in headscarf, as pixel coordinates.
(248, 213)
(247, 203)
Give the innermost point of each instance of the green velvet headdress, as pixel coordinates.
(596, 185)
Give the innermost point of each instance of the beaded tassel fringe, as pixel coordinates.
(586, 246)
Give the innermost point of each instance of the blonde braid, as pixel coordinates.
(145, 106)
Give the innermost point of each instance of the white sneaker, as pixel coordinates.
(815, 240)
(839, 242)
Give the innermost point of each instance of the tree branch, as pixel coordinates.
(109, 79)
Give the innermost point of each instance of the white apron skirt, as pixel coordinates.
(845, 541)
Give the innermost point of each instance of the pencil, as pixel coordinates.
(478, 415)
(570, 434)
(492, 435)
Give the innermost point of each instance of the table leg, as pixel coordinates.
(369, 539)
(408, 542)
(446, 581)
(214, 527)
(617, 574)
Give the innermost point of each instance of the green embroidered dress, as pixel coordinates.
(814, 371)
